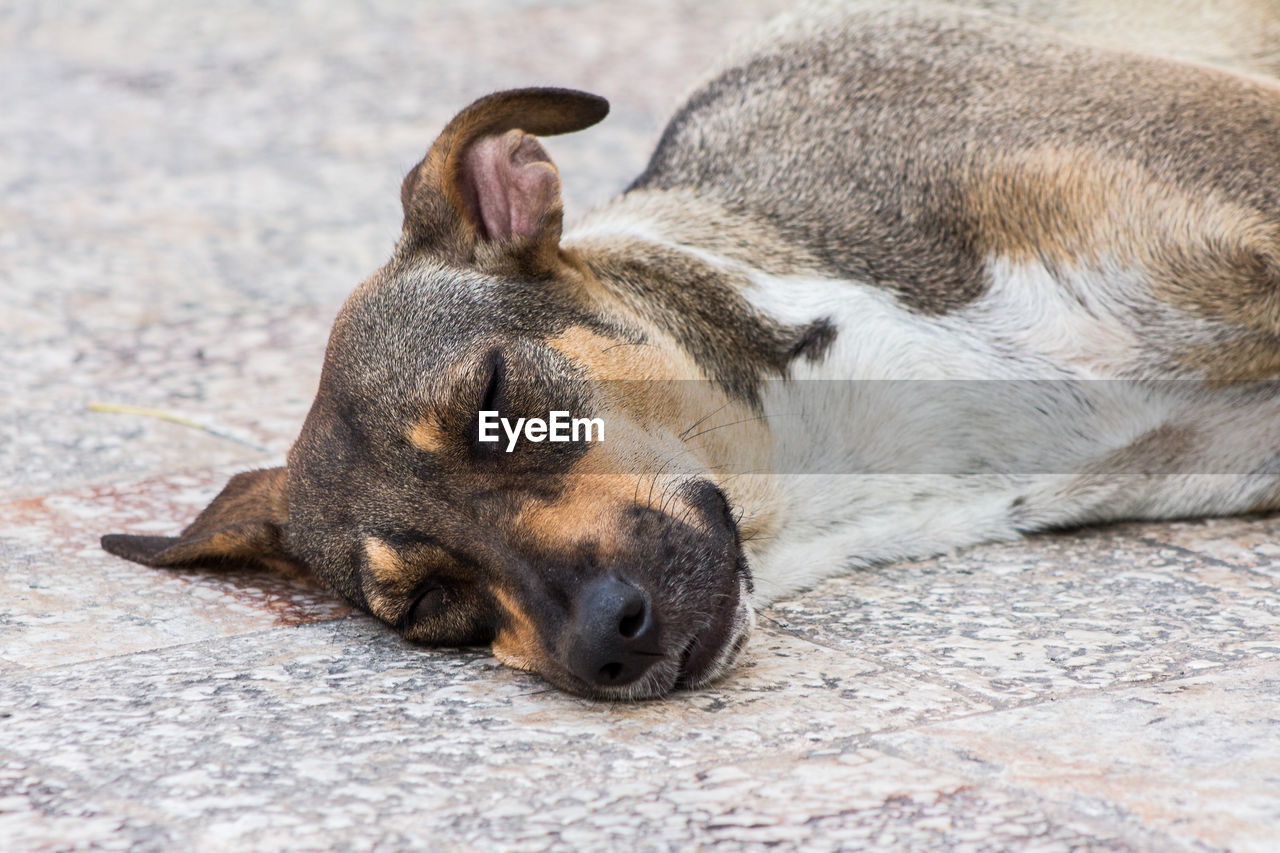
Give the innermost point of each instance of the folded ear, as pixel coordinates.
(246, 521)
(486, 181)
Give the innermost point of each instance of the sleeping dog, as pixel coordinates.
(896, 279)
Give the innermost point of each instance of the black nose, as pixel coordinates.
(614, 637)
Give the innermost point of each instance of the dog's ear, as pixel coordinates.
(246, 521)
(487, 182)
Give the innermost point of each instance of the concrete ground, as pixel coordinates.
(188, 193)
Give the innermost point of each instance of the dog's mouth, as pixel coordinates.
(712, 651)
(714, 646)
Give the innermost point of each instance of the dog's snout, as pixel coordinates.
(615, 634)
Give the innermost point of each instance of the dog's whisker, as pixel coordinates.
(752, 419)
(684, 434)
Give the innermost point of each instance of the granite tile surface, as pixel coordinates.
(76, 445)
(219, 389)
(248, 743)
(1247, 543)
(187, 193)
(1205, 768)
(1050, 615)
(63, 599)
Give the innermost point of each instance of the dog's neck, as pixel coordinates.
(687, 268)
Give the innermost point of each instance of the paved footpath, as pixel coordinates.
(186, 194)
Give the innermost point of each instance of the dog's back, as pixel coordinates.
(1239, 34)
(916, 149)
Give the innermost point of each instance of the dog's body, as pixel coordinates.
(982, 219)
(1078, 248)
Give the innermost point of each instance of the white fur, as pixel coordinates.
(1028, 325)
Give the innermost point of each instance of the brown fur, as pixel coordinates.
(389, 581)
(1248, 358)
(244, 522)
(978, 95)
(1203, 254)
(427, 436)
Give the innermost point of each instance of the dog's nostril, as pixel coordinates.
(632, 622)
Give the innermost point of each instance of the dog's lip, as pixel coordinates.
(711, 650)
(704, 652)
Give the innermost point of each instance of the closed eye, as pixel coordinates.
(431, 604)
(446, 615)
(493, 386)
(491, 398)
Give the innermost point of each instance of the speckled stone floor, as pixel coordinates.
(188, 193)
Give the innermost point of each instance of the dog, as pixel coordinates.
(898, 278)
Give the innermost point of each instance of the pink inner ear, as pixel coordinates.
(508, 184)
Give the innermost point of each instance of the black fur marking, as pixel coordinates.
(817, 339)
(703, 309)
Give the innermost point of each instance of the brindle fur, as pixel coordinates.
(910, 149)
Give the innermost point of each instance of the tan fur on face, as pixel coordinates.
(630, 468)
(652, 391)
(584, 513)
(665, 422)
(516, 644)
(613, 359)
(654, 387)
(426, 435)
(387, 573)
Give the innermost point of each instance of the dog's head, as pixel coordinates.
(614, 566)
